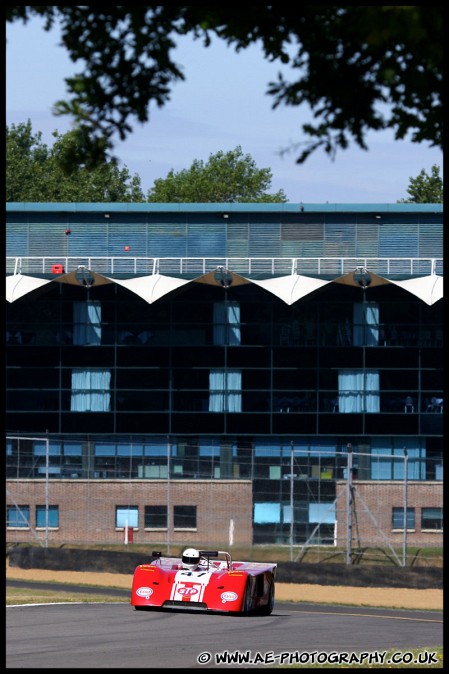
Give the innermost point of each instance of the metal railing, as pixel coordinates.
(246, 266)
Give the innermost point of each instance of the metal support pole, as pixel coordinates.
(168, 495)
(349, 508)
(292, 450)
(47, 452)
(404, 545)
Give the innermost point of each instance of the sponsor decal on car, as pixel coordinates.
(144, 592)
(190, 585)
(228, 596)
(188, 591)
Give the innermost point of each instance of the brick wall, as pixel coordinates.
(373, 502)
(87, 510)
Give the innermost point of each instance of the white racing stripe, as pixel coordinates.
(190, 585)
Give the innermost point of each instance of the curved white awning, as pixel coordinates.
(429, 289)
(153, 287)
(291, 288)
(19, 285)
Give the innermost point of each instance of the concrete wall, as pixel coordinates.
(287, 572)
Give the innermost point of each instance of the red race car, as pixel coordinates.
(204, 580)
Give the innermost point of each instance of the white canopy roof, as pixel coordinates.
(429, 289)
(291, 288)
(153, 287)
(19, 285)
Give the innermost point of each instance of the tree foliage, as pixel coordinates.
(359, 68)
(225, 178)
(425, 189)
(34, 172)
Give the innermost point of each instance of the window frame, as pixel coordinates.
(154, 525)
(398, 512)
(191, 525)
(427, 528)
(52, 510)
(20, 511)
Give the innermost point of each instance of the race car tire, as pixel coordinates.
(247, 604)
(268, 609)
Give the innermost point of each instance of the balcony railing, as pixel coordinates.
(256, 267)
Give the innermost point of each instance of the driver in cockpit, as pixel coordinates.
(190, 559)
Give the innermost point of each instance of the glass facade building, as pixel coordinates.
(225, 376)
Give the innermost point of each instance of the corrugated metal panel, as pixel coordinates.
(200, 230)
(167, 245)
(17, 240)
(292, 249)
(311, 249)
(206, 237)
(206, 245)
(238, 248)
(263, 238)
(264, 247)
(238, 230)
(430, 240)
(309, 229)
(397, 245)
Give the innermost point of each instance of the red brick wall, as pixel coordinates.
(379, 498)
(87, 510)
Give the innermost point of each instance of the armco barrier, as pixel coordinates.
(68, 559)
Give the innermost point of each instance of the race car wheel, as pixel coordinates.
(247, 599)
(268, 609)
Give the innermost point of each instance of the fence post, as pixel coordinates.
(404, 545)
(292, 450)
(47, 461)
(349, 507)
(168, 494)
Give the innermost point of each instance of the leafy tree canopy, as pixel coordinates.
(225, 177)
(35, 172)
(425, 189)
(359, 68)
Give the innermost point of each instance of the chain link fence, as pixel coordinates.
(344, 504)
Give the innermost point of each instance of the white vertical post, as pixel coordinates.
(404, 545)
(291, 500)
(47, 451)
(349, 508)
(168, 495)
(126, 531)
(231, 532)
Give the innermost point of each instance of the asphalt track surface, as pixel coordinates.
(114, 635)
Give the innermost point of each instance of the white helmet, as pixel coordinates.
(190, 559)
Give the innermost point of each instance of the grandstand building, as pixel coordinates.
(204, 372)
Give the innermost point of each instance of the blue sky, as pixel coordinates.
(221, 104)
